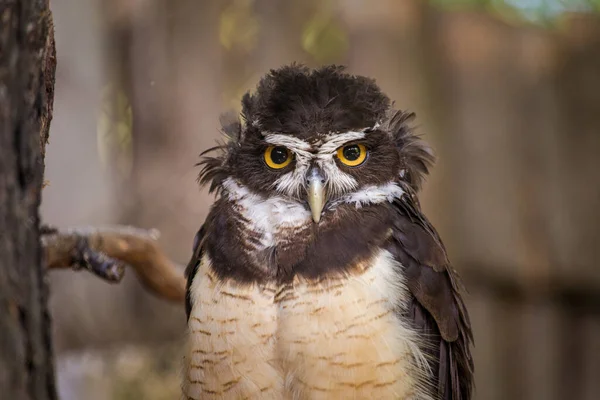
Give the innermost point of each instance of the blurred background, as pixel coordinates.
(507, 92)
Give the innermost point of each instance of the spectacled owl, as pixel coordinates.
(315, 274)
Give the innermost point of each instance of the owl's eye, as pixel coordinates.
(277, 157)
(352, 155)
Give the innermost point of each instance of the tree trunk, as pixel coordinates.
(27, 66)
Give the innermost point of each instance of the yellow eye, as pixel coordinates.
(352, 155)
(277, 157)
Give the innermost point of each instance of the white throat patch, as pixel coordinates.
(372, 195)
(266, 216)
(273, 214)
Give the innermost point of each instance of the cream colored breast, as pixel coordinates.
(332, 339)
(231, 344)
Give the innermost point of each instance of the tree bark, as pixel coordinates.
(27, 67)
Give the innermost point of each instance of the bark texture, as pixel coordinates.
(27, 67)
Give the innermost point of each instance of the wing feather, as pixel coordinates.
(192, 267)
(437, 308)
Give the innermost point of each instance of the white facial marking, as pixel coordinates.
(337, 180)
(335, 141)
(266, 216)
(296, 145)
(372, 195)
(322, 152)
(292, 182)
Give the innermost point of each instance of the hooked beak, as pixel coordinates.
(316, 194)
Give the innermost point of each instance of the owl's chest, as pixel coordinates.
(328, 339)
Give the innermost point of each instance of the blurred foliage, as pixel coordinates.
(324, 38)
(239, 26)
(543, 12)
(114, 131)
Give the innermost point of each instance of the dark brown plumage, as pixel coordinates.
(303, 103)
(308, 105)
(437, 308)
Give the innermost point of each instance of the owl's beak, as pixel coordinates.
(316, 194)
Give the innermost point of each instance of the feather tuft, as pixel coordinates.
(213, 162)
(416, 156)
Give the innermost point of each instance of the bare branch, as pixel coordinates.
(106, 251)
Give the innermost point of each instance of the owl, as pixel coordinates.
(315, 274)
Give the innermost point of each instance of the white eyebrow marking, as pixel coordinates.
(322, 151)
(338, 181)
(298, 146)
(292, 182)
(373, 194)
(334, 141)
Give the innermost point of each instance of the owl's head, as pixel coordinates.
(320, 138)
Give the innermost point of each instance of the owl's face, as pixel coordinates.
(319, 138)
(318, 170)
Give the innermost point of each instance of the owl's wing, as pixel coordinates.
(436, 307)
(192, 267)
